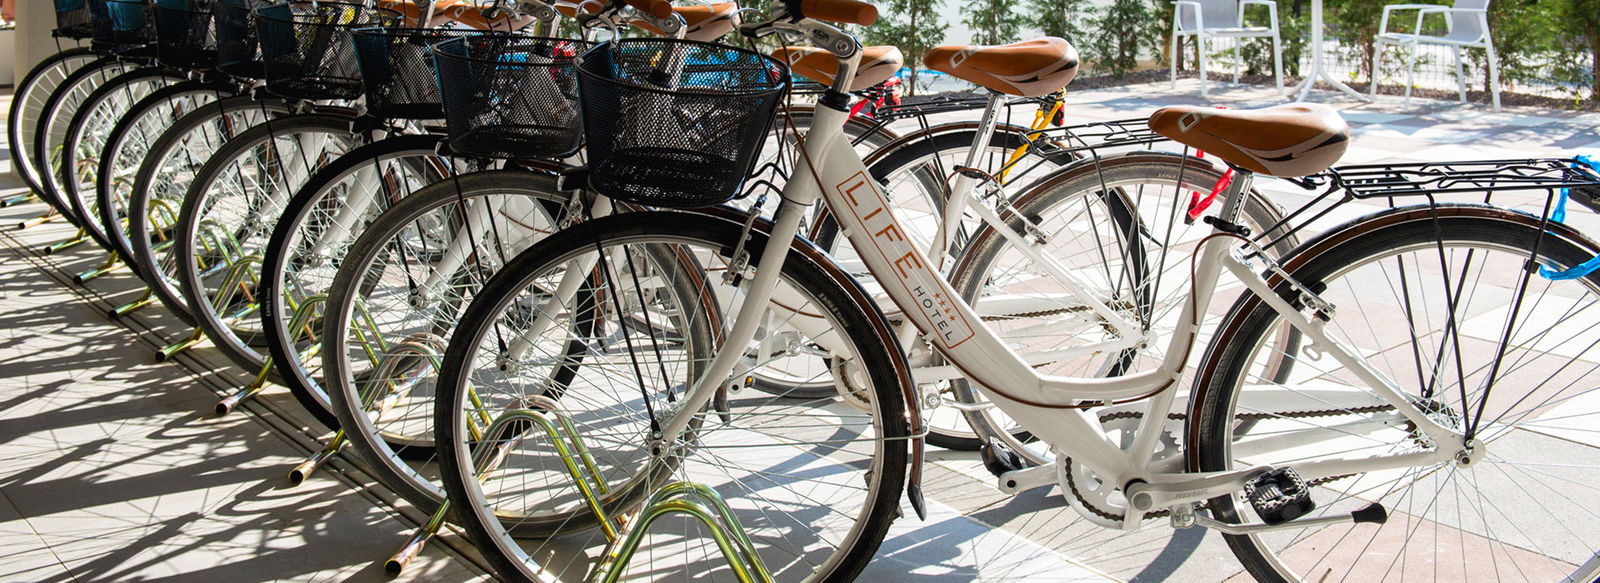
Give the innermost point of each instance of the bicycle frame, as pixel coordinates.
(1048, 406)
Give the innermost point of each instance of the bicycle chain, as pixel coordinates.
(1164, 512)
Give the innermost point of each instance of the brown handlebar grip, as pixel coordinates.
(656, 8)
(840, 11)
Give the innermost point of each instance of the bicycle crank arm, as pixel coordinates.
(1373, 513)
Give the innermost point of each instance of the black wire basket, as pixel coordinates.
(129, 28)
(238, 48)
(397, 70)
(74, 19)
(673, 123)
(308, 48)
(185, 38)
(510, 96)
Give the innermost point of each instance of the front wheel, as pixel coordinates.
(1438, 300)
(813, 482)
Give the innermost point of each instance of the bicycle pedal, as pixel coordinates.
(1279, 496)
(998, 459)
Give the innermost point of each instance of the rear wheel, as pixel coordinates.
(1426, 295)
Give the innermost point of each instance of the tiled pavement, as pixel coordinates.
(113, 468)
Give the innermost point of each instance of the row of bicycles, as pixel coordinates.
(601, 284)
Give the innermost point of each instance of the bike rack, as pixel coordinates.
(48, 216)
(76, 240)
(112, 262)
(702, 503)
(18, 199)
(143, 300)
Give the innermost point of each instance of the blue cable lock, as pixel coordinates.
(1560, 215)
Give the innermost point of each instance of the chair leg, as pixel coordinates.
(1173, 58)
(1277, 61)
(1411, 71)
(1200, 55)
(1461, 75)
(1377, 66)
(1494, 76)
(1238, 55)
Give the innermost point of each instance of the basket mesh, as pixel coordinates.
(676, 123)
(510, 97)
(238, 49)
(397, 70)
(184, 37)
(73, 19)
(130, 28)
(308, 50)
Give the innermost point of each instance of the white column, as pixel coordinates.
(35, 20)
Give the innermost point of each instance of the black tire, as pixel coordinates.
(50, 135)
(1392, 278)
(238, 195)
(163, 179)
(398, 447)
(127, 147)
(284, 264)
(27, 105)
(769, 433)
(88, 134)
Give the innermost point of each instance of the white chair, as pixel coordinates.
(1205, 19)
(1468, 26)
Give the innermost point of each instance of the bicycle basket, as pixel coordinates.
(397, 70)
(673, 123)
(308, 50)
(184, 37)
(510, 96)
(238, 48)
(129, 29)
(74, 19)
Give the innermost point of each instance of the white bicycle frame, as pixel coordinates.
(1046, 405)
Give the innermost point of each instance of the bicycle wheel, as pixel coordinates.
(49, 138)
(164, 179)
(813, 483)
(27, 107)
(228, 213)
(397, 297)
(1428, 296)
(1117, 224)
(309, 243)
(127, 147)
(87, 136)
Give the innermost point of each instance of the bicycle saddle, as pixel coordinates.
(702, 23)
(1283, 140)
(1030, 68)
(878, 64)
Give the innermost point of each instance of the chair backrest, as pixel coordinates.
(1468, 26)
(1218, 14)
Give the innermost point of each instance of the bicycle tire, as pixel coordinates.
(771, 514)
(238, 196)
(1509, 515)
(309, 225)
(155, 203)
(27, 105)
(49, 136)
(399, 446)
(88, 134)
(128, 145)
